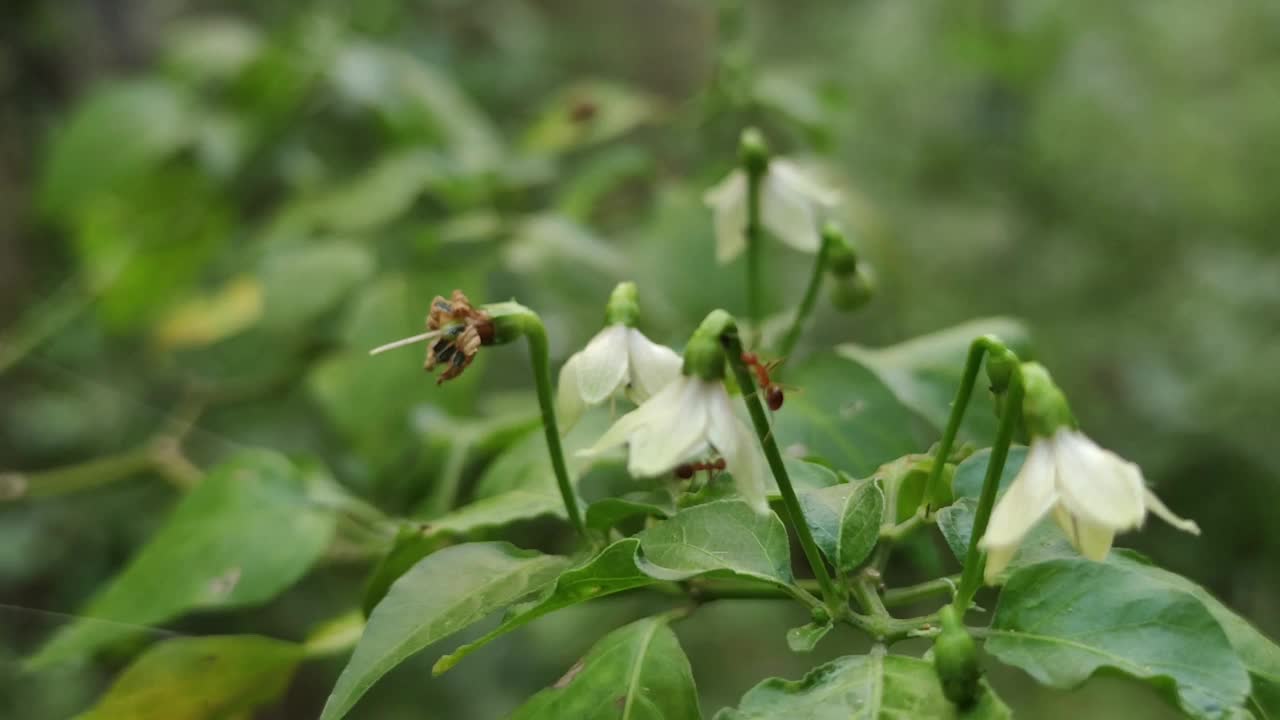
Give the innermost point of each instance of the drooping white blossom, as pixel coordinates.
(1091, 492)
(617, 358)
(689, 419)
(790, 207)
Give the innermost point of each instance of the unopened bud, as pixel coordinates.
(842, 260)
(753, 152)
(1001, 363)
(955, 660)
(851, 292)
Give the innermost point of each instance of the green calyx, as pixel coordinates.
(851, 292)
(842, 260)
(1044, 407)
(955, 659)
(753, 152)
(510, 321)
(623, 307)
(704, 355)
(1001, 364)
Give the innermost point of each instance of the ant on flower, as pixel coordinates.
(685, 471)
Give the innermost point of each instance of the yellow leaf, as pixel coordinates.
(207, 319)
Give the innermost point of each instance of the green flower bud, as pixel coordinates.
(623, 306)
(820, 616)
(753, 152)
(1001, 362)
(955, 660)
(842, 261)
(851, 292)
(704, 355)
(1044, 407)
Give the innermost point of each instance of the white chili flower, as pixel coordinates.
(1093, 494)
(618, 357)
(689, 419)
(790, 208)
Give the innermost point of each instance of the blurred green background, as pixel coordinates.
(209, 211)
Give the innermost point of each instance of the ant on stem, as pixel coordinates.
(773, 395)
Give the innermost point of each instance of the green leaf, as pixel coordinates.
(442, 594)
(1260, 655)
(122, 131)
(612, 570)
(206, 319)
(924, 372)
(637, 672)
(844, 415)
(1064, 620)
(205, 678)
(372, 199)
(721, 536)
(608, 512)
(587, 113)
(845, 520)
(971, 473)
(805, 638)
(303, 282)
(249, 530)
(875, 686)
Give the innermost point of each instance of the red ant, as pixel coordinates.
(773, 395)
(684, 471)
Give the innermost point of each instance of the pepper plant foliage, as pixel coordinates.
(699, 475)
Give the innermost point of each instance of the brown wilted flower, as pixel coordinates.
(455, 332)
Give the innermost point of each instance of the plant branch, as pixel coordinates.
(895, 597)
(805, 308)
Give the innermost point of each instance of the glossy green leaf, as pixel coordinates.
(444, 593)
(612, 570)
(844, 415)
(805, 638)
(874, 687)
(1064, 620)
(1260, 655)
(721, 536)
(120, 132)
(924, 372)
(637, 672)
(845, 520)
(303, 282)
(203, 678)
(249, 530)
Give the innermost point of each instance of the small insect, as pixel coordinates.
(582, 111)
(684, 471)
(773, 394)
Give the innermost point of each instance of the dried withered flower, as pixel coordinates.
(455, 332)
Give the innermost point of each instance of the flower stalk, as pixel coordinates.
(805, 309)
(832, 595)
(755, 161)
(975, 559)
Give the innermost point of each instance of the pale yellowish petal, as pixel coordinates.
(602, 364)
(675, 426)
(1164, 513)
(728, 202)
(1097, 485)
(569, 405)
(655, 411)
(802, 183)
(997, 560)
(740, 450)
(1092, 540)
(1028, 499)
(788, 213)
(653, 366)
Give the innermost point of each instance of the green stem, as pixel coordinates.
(805, 309)
(831, 594)
(868, 598)
(755, 243)
(896, 597)
(972, 364)
(75, 478)
(536, 333)
(975, 560)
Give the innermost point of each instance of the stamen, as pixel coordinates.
(406, 341)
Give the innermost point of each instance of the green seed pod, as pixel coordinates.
(851, 292)
(955, 659)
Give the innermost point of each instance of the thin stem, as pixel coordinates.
(536, 333)
(75, 478)
(867, 597)
(805, 309)
(831, 594)
(972, 364)
(755, 242)
(895, 597)
(974, 560)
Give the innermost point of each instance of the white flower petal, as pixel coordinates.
(1028, 499)
(603, 364)
(728, 201)
(569, 405)
(1164, 513)
(1092, 540)
(653, 366)
(997, 560)
(788, 214)
(1097, 486)
(739, 448)
(675, 426)
(653, 411)
(796, 179)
